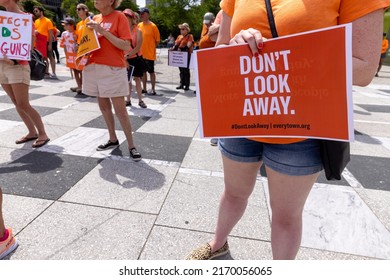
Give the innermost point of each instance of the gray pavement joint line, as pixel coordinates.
(105, 207)
(37, 216)
(212, 232)
(158, 214)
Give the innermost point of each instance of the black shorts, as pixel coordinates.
(137, 71)
(150, 65)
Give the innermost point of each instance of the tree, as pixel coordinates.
(168, 14)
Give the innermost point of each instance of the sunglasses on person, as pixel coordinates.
(183, 28)
(36, 11)
(80, 9)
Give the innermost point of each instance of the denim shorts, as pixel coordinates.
(296, 159)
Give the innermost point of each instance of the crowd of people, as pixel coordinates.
(128, 42)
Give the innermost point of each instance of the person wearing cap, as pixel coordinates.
(185, 43)
(151, 38)
(210, 30)
(105, 75)
(134, 58)
(68, 41)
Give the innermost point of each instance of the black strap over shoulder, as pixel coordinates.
(271, 19)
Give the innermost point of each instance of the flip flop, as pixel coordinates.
(25, 139)
(41, 143)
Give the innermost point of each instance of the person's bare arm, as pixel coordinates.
(138, 46)
(224, 30)
(366, 46)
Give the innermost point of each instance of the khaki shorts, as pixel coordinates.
(14, 74)
(105, 81)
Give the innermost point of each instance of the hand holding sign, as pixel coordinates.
(89, 42)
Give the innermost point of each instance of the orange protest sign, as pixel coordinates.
(89, 42)
(71, 61)
(299, 86)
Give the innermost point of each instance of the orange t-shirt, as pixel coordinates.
(150, 39)
(293, 16)
(205, 40)
(79, 30)
(182, 42)
(385, 46)
(43, 25)
(117, 24)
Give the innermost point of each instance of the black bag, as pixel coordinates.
(335, 154)
(37, 65)
(335, 157)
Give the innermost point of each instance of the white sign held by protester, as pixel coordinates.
(15, 37)
(178, 59)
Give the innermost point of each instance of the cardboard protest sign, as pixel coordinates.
(89, 42)
(178, 59)
(16, 33)
(299, 86)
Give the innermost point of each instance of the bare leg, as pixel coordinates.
(52, 63)
(33, 121)
(234, 199)
(128, 98)
(153, 81)
(2, 225)
(121, 113)
(138, 88)
(144, 79)
(288, 195)
(105, 108)
(77, 76)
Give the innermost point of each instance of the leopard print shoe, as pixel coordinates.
(204, 252)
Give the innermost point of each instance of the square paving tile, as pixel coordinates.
(81, 232)
(193, 200)
(32, 96)
(12, 114)
(160, 147)
(165, 126)
(123, 184)
(371, 172)
(375, 108)
(19, 211)
(44, 175)
(136, 122)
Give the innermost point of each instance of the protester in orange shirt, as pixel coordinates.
(105, 74)
(68, 42)
(82, 12)
(292, 166)
(151, 38)
(44, 27)
(210, 30)
(385, 47)
(184, 43)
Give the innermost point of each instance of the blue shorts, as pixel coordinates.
(296, 159)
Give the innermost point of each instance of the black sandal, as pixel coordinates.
(142, 104)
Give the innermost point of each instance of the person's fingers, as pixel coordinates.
(251, 36)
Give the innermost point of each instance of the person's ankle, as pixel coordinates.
(4, 235)
(216, 246)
